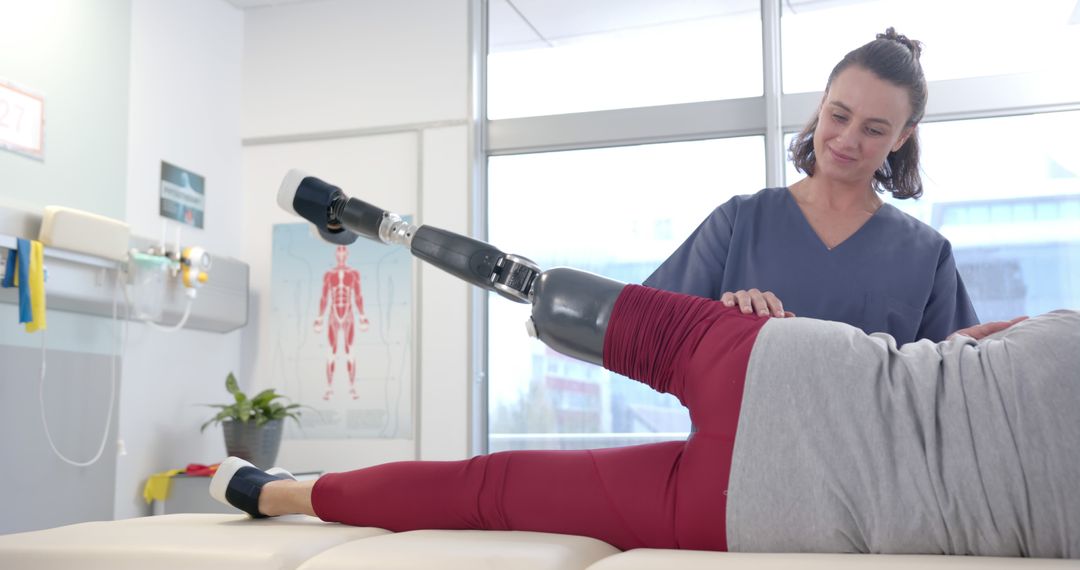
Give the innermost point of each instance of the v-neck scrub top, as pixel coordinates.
(894, 274)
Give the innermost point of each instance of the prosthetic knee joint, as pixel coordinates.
(570, 308)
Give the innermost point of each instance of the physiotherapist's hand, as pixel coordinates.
(754, 301)
(984, 330)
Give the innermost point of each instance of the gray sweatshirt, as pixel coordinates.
(848, 443)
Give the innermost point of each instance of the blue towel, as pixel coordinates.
(19, 259)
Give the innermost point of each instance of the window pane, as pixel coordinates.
(617, 212)
(962, 38)
(1006, 192)
(557, 56)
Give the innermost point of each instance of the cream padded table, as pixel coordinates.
(464, 550)
(177, 542)
(236, 542)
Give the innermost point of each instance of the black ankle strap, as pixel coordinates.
(244, 489)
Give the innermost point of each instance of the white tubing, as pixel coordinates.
(112, 397)
(156, 326)
(177, 326)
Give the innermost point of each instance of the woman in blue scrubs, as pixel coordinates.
(828, 247)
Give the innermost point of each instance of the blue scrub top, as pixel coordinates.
(894, 275)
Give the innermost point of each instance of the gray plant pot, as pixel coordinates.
(257, 444)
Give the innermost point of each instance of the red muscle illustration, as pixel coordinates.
(340, 293)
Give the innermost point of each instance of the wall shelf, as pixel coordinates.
(86, 284)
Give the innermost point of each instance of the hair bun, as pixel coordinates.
(914, 45)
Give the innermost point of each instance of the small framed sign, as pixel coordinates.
(183, 195)
(22, 120)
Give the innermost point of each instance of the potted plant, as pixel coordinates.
(253, 426)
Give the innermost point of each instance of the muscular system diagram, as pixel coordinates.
(341, 298)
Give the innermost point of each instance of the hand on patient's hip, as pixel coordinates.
(754, 301)
(984, 330)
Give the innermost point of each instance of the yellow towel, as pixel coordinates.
(157, 485)
(37, 287)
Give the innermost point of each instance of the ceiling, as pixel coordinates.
(515, 24)
(518, 24)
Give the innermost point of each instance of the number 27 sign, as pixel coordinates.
(22, 120)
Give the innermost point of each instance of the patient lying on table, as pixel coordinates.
(812, 437)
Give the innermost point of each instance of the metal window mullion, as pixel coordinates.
(1002, 95)
(968, 98)
(620, 127)
(773, 91)
(478, 312)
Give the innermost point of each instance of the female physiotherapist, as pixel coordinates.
(828, 247)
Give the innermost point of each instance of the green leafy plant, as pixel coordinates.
(260, 409)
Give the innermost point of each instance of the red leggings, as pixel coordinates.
(662, 495)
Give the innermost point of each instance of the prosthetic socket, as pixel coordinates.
(570, 308)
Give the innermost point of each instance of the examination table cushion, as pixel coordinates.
(178, 542)
(464, 550)
(236, 542)
(653, 559)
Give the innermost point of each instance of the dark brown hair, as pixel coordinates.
(893, 58)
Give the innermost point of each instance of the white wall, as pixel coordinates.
(127, 84)
(186, 58)
(373, 97)
(75, 55)
(334, 65)
(186, 69)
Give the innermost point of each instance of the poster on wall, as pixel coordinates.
(22, 120)
(341, 340)
(183, 195)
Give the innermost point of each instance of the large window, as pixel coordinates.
(1006, 192)
(616, 212)
(616, 127)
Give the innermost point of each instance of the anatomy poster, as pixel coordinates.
(341, 334)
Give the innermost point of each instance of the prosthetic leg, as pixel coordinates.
(570, 308)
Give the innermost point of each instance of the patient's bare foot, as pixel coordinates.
(286, 497)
